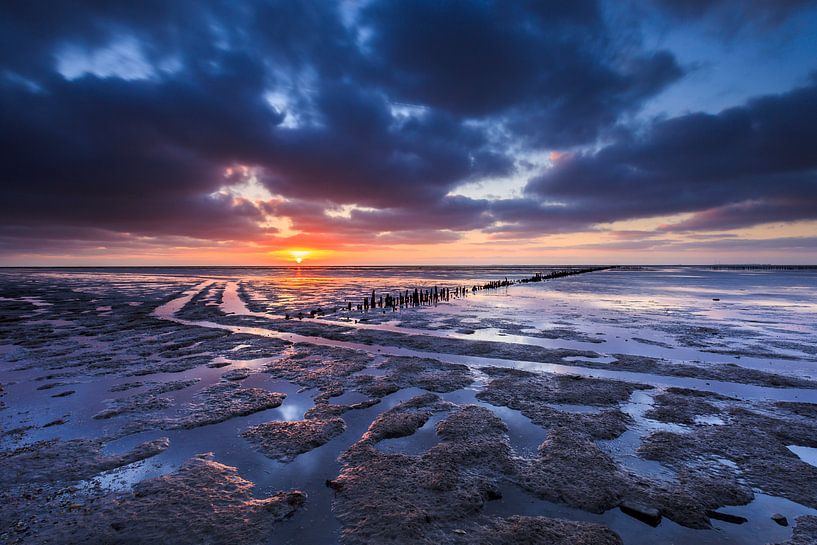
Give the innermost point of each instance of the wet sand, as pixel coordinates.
(611, 407)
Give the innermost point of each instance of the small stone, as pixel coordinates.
(459, 532)
(780, 519)
(647, 515)
(57, 422)
(64, 394)
(726, 517)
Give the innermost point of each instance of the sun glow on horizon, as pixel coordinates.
(299, 255)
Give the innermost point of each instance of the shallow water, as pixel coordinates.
(763, 320)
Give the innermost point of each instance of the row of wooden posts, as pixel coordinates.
(418, 297)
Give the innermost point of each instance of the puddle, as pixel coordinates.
(709, 420)
(524, 436)
(759, 529)
(417, 443)
(807, 454)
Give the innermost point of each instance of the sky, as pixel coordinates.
(391, 132)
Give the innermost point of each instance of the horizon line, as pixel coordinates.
(302, 266)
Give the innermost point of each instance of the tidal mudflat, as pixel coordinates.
(657, 405)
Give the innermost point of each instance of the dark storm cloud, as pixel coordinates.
(746, 214)
(552, 72)
(121, 119)
(450, 213)
(361, 154)
(143, 154)
(744, 166)
(735, 13)
(132, 156)
(726, 244)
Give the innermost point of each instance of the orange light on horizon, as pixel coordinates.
(299, 255)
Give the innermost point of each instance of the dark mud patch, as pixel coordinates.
(318, 366)
(65, 393)
(283, 441)
(406, 372)
(560, 389)
(236, 374)
(725, 372)
(652, 342)
(534, 394)
(437, 497)
(137, 404)
(148, 401)
(808, 410)
(172, 386)
(67, 461)
(554, 333)
(682, 406)
(324, 409)
(534, 531)
(125, 386)
(51, 385)
(216, 403)
(805, 531)
(203, 502)
(572, 469)
(404, 419)
(753, 443)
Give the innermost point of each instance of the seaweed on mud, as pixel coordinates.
(283, 441)
(535, 394)
(681, 405)
(223, 401)
(406, 372)
(404, 419)
(124, 386)
(562, 333)
(800, 409)
(426, 373)
(324, 409)
(727, 372)
(136, 404)
(755, 443)
(67, 461)
(203, 502)
(376, 387)
(172, 386)
(536, 531)
(572, 469)
(805, 531)
(437, 497)
(211, 405)
(317, 366)
(237, 374)
(558, 388)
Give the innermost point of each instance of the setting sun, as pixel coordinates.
(299, 255)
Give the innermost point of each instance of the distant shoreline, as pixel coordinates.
(735, 266)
